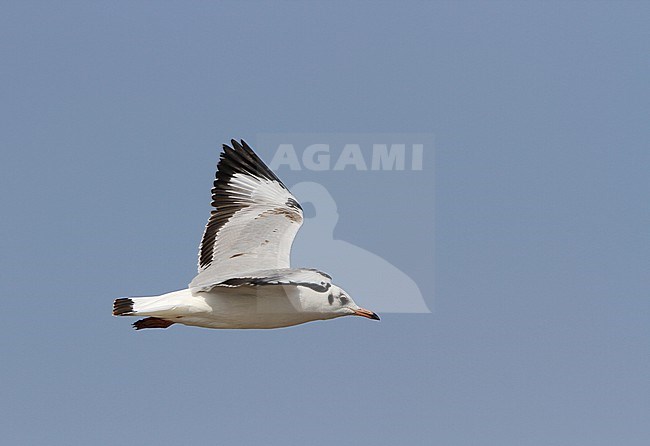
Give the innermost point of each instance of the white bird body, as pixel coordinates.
(235, 308)
(244, 279)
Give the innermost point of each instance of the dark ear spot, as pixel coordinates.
(330, 298)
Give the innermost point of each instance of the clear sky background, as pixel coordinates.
(112, 115)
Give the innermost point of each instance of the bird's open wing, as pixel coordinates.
(310, 278)
(254, 220)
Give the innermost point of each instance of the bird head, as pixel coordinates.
(342, 304)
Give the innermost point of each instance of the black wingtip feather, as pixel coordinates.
(240, 158)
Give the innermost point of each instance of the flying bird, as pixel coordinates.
(244, 276)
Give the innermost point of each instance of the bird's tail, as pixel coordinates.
(123, 307)
(161, 309)
(147, 306)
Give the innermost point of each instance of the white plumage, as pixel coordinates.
(244, 277)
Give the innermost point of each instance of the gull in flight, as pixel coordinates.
(244, 276)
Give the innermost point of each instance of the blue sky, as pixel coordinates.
(528, 235)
